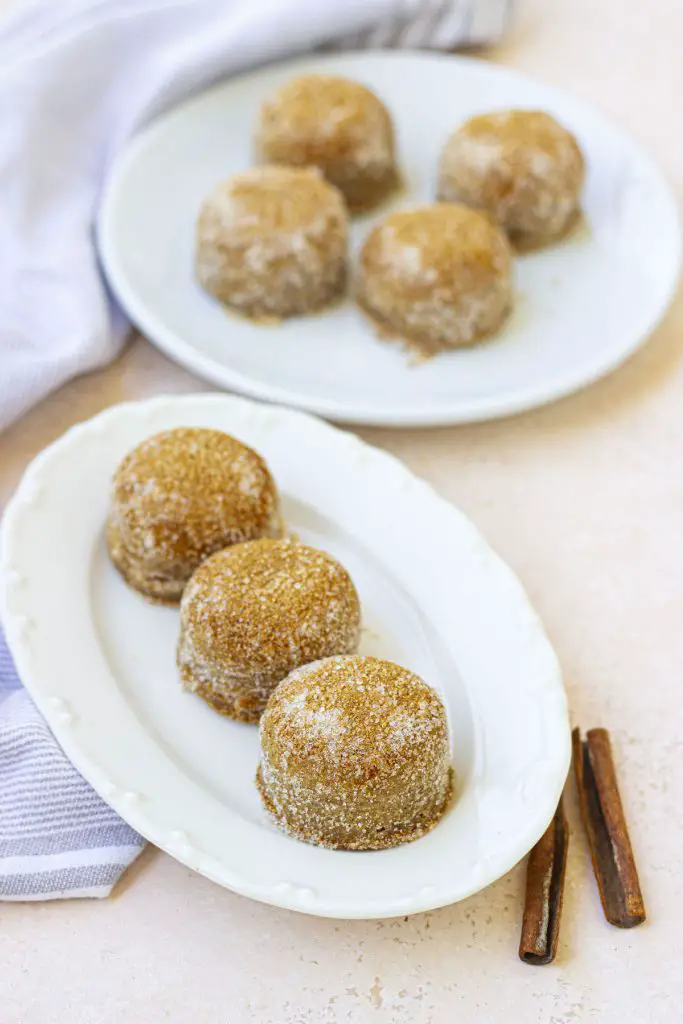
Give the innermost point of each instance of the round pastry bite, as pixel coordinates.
(437, 277)
(180, 496)
(522, 167)
(337, 125)
(355, 755)
(252, 613)
(271, 242)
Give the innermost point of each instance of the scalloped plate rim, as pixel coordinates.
(140, 815)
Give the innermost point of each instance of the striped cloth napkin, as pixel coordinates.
(75, 78)
(57, 838)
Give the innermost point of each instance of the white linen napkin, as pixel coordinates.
(76, 78)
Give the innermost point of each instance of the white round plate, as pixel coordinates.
(582, 306)
(99, 662)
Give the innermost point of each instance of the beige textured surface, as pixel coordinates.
(585, 500)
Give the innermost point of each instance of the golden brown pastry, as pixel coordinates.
(271, 243)
(337, 125)
(355, 755)
(180, 496)
(522, 167)
(437, 277)
(254, 612)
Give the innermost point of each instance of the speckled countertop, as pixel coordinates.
(585, 500)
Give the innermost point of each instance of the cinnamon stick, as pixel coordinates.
(603, 818)
(544, 891)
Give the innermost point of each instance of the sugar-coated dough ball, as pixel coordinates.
(522, 167)
(178, 497)
(355, 754)
(337, 125)
(437, 277)
(254, 612)
(271, 243)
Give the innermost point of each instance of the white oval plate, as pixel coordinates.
(582, 306)
(99, 662)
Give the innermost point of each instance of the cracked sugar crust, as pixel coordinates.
(180, 496)
(355, 755)
(337, 125)
(522, 167)
(271, 243)
(253, 613)
(438, 277)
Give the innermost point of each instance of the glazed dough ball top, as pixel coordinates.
(183, 494)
